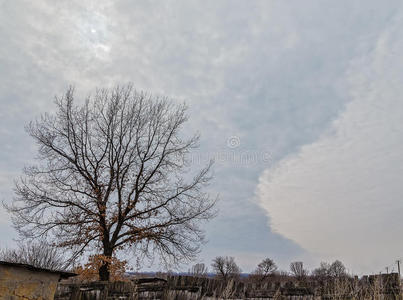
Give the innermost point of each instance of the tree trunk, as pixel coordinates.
(104, 274)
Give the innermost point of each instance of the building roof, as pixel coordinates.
(62, 274)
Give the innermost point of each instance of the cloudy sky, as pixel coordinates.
(299, 102)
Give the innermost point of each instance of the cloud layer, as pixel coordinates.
(271, 73)
(341, 196)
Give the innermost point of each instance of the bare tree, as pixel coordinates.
(322, 271)
(337, 269)
(225, 267)
(326, 270)
(37, 254)
(112, 175)
(266, 268)
(297, 269)
(199, 270)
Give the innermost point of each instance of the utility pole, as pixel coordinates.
(398, 267)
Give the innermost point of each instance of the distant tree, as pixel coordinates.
(225, 267)
(37, 254)
(322, 271)
(337, 269)
(199, 270)
(114, 174)
(265, 268)
(297, 269)
(333, 270)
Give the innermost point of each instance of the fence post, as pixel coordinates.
(75, 293)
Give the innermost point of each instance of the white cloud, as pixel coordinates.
(341, 196)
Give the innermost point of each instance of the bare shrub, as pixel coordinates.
(297, 269)
(90, 270)
(229, 290)
(38, 254)
(199, 270)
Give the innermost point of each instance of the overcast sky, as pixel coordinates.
(299, 102)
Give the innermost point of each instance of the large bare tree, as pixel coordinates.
(113, 174)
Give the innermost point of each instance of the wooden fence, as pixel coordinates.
(194, 288)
